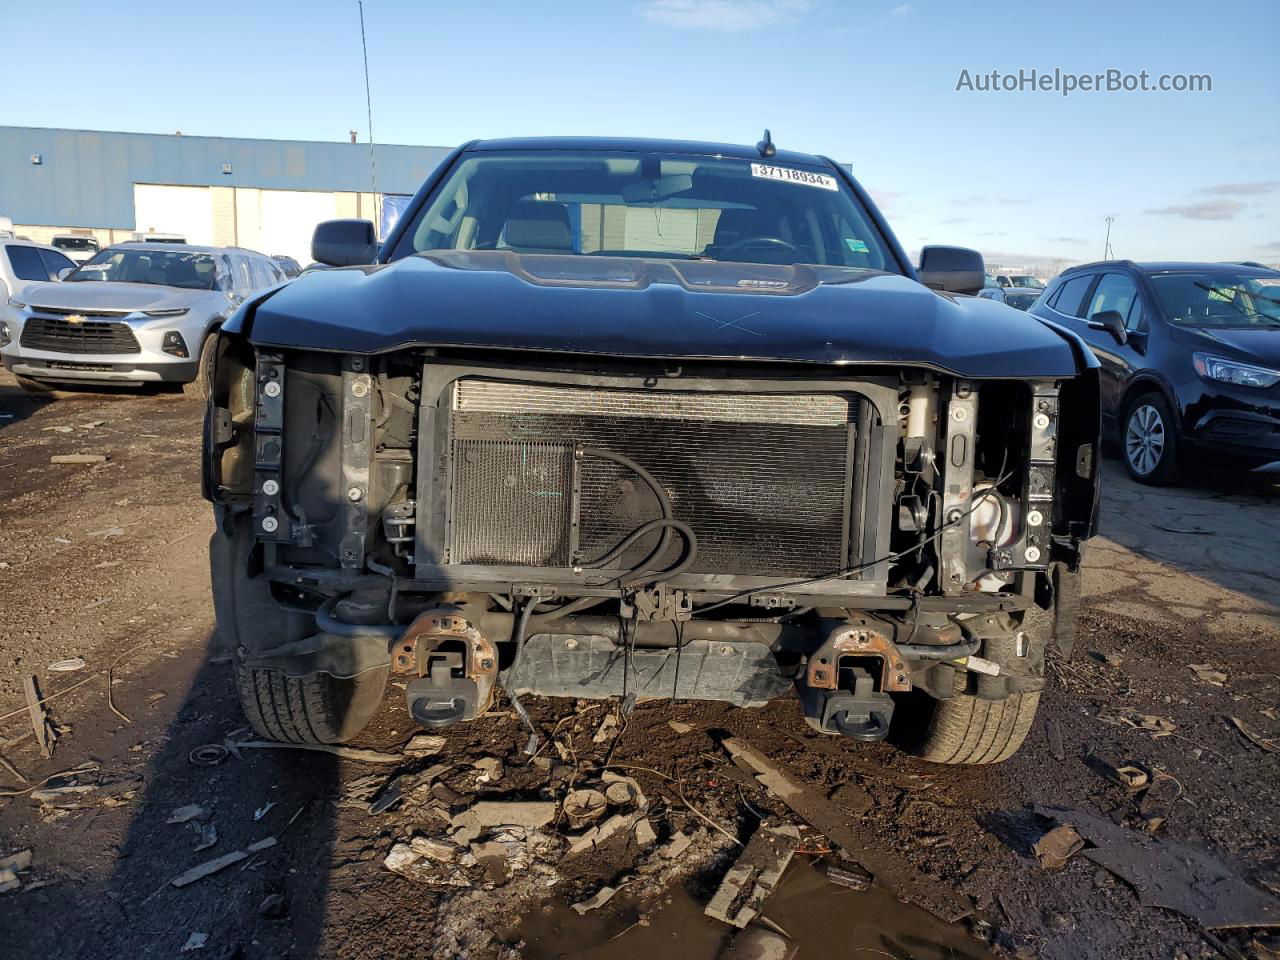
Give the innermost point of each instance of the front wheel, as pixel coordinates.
(198, 389)
(968, 729)
(1149, 440)
(315, 708)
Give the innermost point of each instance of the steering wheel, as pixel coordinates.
(775, 242)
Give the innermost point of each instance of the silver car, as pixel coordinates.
(135, 313)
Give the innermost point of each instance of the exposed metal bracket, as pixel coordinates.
(357, 442)
(957, 496)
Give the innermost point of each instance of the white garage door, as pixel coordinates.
(187, 211)
(286, 221)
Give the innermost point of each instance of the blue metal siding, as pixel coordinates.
(86, 178)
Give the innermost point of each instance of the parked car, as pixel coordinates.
(135, 313)
(614, 417)
(1021, 280)
(290, 266)
(1018, 297)
(79, 249)
(1190, 356)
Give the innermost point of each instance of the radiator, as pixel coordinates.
(764, 480)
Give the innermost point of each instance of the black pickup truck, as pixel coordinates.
(643, 419)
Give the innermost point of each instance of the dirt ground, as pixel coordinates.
(108, 563)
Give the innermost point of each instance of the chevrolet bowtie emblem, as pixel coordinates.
(75, 318)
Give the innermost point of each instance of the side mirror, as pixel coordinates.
(344, 243)
(952, 269)
(1112, 322)
(65, 272)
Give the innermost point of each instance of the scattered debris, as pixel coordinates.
(595, 901)
(1195, 530)
(1157, 803)
(424, 745)
(831, 822)
(1254, 737)
(752, 879)
(51, 796)
(608, 727)
(490, 769)
(1164, 873)
(195, 942)
(644, 833)
(676, 846)
(68, 665)
(208, 835)
(404, 860)
(78, 458)
(387, 797)
(10, 867)
(263, 811)
(1057, 846)
(210, 867)
(1158, 726)
(1208, 674)
(584, 807)
(210, 755)
(346, 753)
(497, 813)
(855, 878)
(56, 429)
(273, 906)
(1131, 777)
(44, 732)
(759, 943)
(680, 726)
(434, 849)
(1113, 660)
(192, 811)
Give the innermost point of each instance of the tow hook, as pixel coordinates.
(454, 665)
(846, 684)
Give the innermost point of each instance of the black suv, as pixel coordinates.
(647, 419)
(1190, 357)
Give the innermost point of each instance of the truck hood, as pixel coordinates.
(632, 307)
(91, 295)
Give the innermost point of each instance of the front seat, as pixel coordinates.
(737, 224)
(539, 228)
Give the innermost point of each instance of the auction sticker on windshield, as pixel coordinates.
(788, 175)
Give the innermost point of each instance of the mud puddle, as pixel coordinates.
(823, 919)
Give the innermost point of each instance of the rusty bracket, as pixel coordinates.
(855, 640)
(442, 630)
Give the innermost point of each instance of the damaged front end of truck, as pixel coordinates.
(883, 520)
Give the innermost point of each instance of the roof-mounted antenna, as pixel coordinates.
(766, 147)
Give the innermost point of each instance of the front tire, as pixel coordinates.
(198, 389)
(966, 729)
(315, 708)
(1149, 440)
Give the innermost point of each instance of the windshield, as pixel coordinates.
(75, 243)
(190, 271)
(648, 205)
(1025, 281)
(1219, 299)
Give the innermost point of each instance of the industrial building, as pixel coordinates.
(267, 195)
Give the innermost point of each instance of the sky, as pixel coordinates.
(1024, 175)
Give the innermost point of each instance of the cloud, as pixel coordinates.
(1209, 210)
(1065, 240)
(723, 15)
(951, 220)
(901, 10)
(1243, 189)
(1273, 245)
(987, 201)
